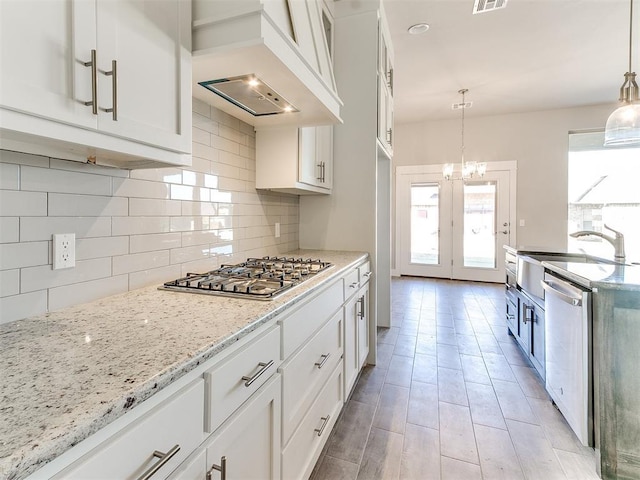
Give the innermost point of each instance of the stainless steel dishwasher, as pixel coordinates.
(568, 353)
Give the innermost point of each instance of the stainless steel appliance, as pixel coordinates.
(568, 358)
(257, 278)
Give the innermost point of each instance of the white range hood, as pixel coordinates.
(265, 62)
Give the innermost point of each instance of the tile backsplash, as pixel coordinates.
(135, 228)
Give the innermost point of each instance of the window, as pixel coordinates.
(604, 188)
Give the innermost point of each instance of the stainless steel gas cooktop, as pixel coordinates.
(257, 278)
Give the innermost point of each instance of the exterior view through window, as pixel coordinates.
(604, 188)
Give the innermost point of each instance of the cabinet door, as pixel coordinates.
(524, 324)
(247, 445)
(351, 360)
(363, 326)
(43, 50)
(537, 340)
(512, 317)
(308, 166)
(324, 153)
(151, 90)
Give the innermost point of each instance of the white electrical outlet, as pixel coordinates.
(64, 250)
(277, 230)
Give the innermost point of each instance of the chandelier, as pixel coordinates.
(623, 125)
(467, 169)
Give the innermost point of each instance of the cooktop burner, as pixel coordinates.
(257, 278)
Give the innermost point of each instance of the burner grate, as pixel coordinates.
(261, 278)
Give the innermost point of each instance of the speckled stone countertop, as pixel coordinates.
(66, 374)
(597, 275)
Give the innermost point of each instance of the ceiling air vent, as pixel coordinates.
(458, 106)
(251, 94)
(481, 6)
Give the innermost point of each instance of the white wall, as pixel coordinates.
(538, 141)
(135, 228)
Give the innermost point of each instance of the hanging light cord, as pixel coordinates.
(630, 32)
(463, 91)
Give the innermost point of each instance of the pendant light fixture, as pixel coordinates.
(623, 125)
(467, 169)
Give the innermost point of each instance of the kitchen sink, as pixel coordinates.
(570, 257)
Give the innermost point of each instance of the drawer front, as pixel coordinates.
(365, 272)
(301, 324)
(232, 382)
(194, 468)
(351, 283)
(128, 454)
(305, 445)
(304, 375)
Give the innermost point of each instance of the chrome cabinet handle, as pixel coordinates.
(368, 274)
(353, 285)
(390, 136)
(527, 309)
(249, 380)
(325, 421)
(323, 172)
(222, 468)
(94, 83)
(114, 90)
(319, 177)
(163, 459)
(510, 316)
(361, 302)
(323, 360)
(390, 80)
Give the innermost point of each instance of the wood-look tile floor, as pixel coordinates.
(451, 397)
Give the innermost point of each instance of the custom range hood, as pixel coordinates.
(265, 62)
(251, 94)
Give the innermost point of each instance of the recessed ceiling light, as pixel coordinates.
(418, 28)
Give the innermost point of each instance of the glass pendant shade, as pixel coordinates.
(623, 126)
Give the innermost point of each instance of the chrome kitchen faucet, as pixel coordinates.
(617, 241)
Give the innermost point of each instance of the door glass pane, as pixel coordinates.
(480, 224)
(425, 224)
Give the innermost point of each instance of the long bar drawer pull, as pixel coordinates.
(222, 468)
(114, 90)
(325, 421)
(249, 380)
(94, 83)
(323, 360)
(163, 458)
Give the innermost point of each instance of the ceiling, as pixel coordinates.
(531, 55)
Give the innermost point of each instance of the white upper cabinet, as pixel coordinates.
(385, 87)
(282, 43)
(295, 160)
(153, 75)
(54, 100)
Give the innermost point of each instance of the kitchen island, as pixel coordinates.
(615, 334)
(69, 374)
(616, 358)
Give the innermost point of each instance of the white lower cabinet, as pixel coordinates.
(306, 372)
(173, 429)
(247, 445)
(356, 331)
(303, 449)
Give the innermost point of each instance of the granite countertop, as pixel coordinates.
(598, 275)
(66, 374)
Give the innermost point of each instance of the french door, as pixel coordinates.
(453, 228)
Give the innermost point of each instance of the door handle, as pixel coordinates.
(94, 83)
(264, 367)
(114, 90)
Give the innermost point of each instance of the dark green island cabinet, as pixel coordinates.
(616, 354)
